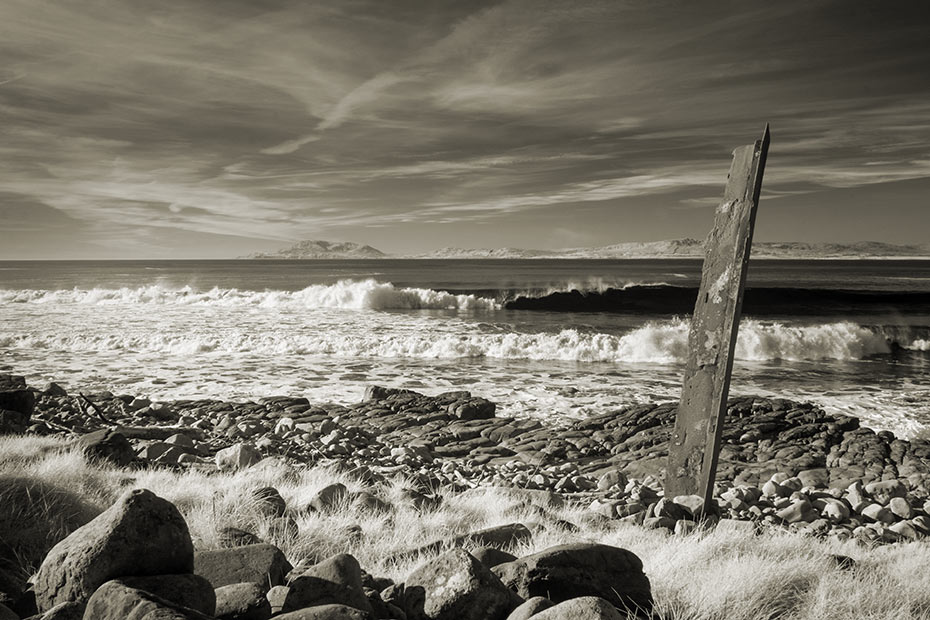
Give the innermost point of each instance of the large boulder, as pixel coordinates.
(141, 534)
(262, 564)
(583, 569)
(242, 601)
(337, 580)
(192, 591)
(456, 586)
(582, 608)
(117, 601)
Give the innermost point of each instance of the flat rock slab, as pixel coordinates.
(141, 534)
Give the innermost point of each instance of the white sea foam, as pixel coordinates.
(661, 342)
(346, 294)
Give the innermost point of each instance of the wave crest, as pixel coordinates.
(346, 294)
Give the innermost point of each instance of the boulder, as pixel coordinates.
(269, 502)
(329, 497)
(582, 569)
(582, 608)
(117, 601)
(192, 591)
(492, 556)
(262, 564)
(530, 607)
(336, 580)
(107, 445)
(456, 586)
(327, 612)
(236, 457)
(20, 401)
(141, 534)
(242, 601)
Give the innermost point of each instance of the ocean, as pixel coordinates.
(852, 336)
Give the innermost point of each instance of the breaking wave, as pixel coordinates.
(345, 294)
(661, 342)
(662, 298)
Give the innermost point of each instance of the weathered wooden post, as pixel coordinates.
(694, 446)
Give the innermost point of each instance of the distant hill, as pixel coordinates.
(316, 249)
(692, 248)
(673, 248)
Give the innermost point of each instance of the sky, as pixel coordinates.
(196, 129)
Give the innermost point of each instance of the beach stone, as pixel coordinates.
(905, 530)
(107, 445)
(799, 511)
(877, 513)
(530, 607)
(833, 509)
(883, 491)
(900, 508)
(582, 608)
(694, 505)
(336, 580)
(117, 601)
(327, 612)
(816, 478)
(140, 534)
(581, 569)
(236, 457)
(456, 586)
(53, 389)
(191, 591)
(262, 564)
(329, 497)
(242, 601)
(612, 478)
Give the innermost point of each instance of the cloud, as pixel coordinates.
(280, 120)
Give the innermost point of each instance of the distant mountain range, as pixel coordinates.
(674, 248)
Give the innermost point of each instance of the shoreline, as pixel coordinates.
(457, 440)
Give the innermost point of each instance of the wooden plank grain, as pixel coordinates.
(695, 442)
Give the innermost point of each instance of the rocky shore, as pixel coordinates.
(783, 465)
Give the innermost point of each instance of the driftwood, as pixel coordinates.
(695, 443)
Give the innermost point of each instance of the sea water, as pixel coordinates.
(243, 329)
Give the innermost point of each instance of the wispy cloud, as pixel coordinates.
(187, 127)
